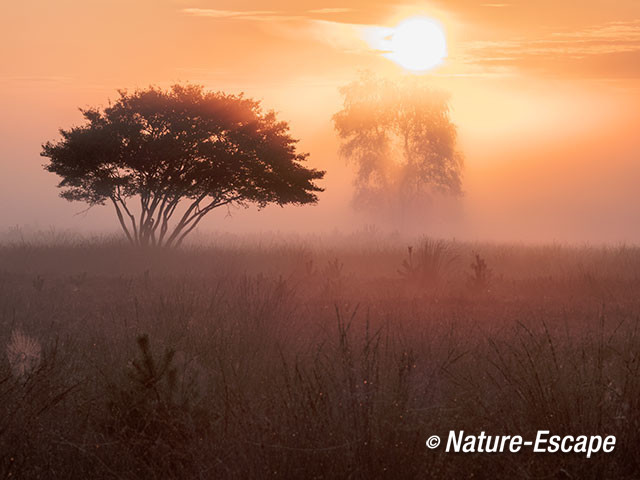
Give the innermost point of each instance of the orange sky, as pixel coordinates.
(546, 98)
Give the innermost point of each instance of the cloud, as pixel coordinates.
(343, 36)
(611, 32)
(579, 49)
(231, 14)
(347, 37)
(258, 14)
(331, 10)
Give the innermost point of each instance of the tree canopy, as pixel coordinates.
(401, 139)
(182, 151)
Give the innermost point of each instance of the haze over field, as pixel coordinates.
(449, 246)
(546, 99)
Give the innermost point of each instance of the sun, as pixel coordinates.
(417, 44)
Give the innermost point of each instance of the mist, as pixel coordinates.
(524, 178)
(449, 246)
(545, 121)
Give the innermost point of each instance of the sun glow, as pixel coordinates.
(417, 44)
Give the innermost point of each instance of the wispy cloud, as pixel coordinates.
(343, 36)
(331, 10)
(610, 32)
(584, 45)
(256, 15)
(231, 14)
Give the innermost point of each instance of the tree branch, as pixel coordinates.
(200, 215)
(131, 217)
(185, 219)
(122, 222)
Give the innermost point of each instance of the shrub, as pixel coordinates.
(429, 264)
(157, 421)
(480, 276)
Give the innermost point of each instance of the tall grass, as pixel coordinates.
(287, 360)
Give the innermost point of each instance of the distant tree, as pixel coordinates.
(163, 147)
(400, 137)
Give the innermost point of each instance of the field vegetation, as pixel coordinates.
(313, 357)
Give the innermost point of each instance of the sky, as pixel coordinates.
(545, 95)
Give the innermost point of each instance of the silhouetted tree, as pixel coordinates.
(164, 146)
(400, 136)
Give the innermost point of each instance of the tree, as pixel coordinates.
(402, 141)
(184, 152)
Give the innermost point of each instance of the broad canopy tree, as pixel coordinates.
(155, 154)
(399, 136)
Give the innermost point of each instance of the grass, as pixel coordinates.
(316, 359)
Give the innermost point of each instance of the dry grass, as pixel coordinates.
(312, 359)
